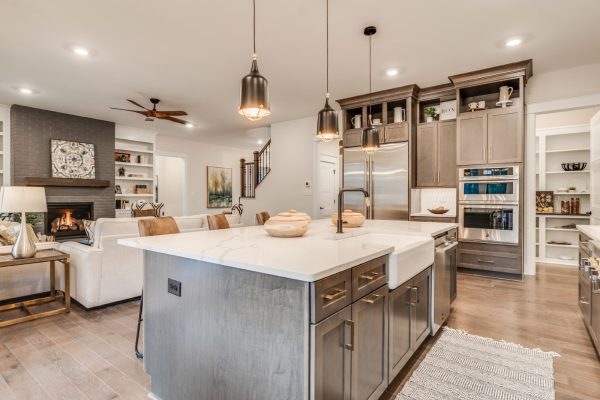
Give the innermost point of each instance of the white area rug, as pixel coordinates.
(464, 366)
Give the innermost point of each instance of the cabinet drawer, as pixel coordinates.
(487, 261)
(329, 295)
(353, 138)
(368, 277)
(396, 133)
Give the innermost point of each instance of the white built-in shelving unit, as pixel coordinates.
(138, 171)
(555, 146)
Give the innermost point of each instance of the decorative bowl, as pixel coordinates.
(438, 210)
(574, 166)
(287, 225)
(294, 213)
(350, 219)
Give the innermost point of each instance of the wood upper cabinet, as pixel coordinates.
(436, 154)
(446, 154)
(491, 137)
(505, 136)
(426, 155)
(353, 138)
(396, 133)
(471, 139)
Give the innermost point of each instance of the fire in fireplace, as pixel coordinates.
(65, 220)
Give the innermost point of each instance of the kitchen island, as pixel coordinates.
(236, 314)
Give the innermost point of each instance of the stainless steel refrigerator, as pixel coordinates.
(384, 174)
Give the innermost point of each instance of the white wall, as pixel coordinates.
(5, 164)
(199, 156)
(295, 158)
(572, 82)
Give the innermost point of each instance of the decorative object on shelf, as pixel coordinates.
(438, 210)
(153, 113)
(565, 207)
(400, 115)
(572, 189)
(505, 93)
(431, 113)
(254, 95)
(72, 159)
(473, 105)
(447, 110)
(350, 219)
(376, 121)
(122, 157)
(118, 189)
(356, 121)
(327, 119)
(142, 189)
(288, 224)
(23, 199)
(568, 226)
(574, 166)
(121, 171)
(219, 187)
(560, 242)
(481, 105)
(370, 135)
(544, 201)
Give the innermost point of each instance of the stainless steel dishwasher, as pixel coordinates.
(444, 277)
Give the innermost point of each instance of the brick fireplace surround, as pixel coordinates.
(31, 131)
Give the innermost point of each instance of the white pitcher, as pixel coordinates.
(505, 92)
(399, 114)
(356, 121)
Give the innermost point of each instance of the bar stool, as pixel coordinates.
(218, 221)
(262, 217)
(152, 227)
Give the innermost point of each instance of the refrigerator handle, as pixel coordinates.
(372, 190)
(367, 183)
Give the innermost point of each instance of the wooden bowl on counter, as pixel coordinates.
(438, 210)
(350, 219)
(287, 224)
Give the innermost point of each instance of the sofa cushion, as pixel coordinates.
(89, 227)
(9, 231)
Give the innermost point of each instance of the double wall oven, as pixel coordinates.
(488, 200)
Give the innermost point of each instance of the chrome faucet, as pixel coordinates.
(340, 221)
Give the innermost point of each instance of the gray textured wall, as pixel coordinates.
(31, 130)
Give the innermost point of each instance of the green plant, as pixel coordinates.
(31, 219)
(431, 112)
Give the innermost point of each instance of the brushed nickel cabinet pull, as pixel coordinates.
(413, 295)
(350, 346)
(438, 176)
(374, 299)
(338, 294)
(371, 275)
(486, 261)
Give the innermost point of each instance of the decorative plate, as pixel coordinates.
(73, 159)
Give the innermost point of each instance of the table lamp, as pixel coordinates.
(23, 199)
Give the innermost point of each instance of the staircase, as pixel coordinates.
(254, 172)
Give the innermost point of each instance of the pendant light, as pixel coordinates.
(327, 120)
(370, 135)
(254, 95)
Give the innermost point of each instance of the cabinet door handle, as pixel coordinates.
(350, 346)
(370, 276)
(486, 261)
(414, 296)
(337, 294)
(374, 299)
(583, 300)
(438, 176)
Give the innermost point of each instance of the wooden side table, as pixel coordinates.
(51, 256)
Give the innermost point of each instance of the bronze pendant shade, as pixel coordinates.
(254, 94)
(327, 119)
(370, 135)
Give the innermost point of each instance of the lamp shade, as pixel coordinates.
(254, 95)
(370, 139)
(22, 199)
(327, 123)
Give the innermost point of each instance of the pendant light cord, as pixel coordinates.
(254, 27)
(370, 89)
(327, 48)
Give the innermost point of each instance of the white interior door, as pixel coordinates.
(327, 189)
(595, 169)
(170, 182)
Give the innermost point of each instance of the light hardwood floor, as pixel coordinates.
(89, 355)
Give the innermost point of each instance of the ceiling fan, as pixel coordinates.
(153, 113)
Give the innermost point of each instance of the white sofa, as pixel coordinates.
(106, 272)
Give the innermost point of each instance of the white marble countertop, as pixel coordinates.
(432, 215)
(319, 253)
(592, 231)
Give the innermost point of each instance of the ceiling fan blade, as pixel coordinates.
(179, 121)
(135, 111)
(137, 104)
(173, 113)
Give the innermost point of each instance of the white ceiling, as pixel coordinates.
(192, 54)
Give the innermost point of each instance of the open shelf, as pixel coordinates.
(121, 195)
(130, 164)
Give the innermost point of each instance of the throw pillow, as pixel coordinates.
(89, 227)
(145, 205)
(10, 231)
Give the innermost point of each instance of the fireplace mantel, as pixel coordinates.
(68, 182)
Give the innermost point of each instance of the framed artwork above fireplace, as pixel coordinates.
(73, 159)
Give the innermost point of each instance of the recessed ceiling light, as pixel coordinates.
(81, 51)
(25, 90)
(392, 72)
(189, 125)
(513, 42)
(260, 141)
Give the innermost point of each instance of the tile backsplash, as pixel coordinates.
(422, 199)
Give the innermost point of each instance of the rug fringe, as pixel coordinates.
(511, 344)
